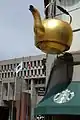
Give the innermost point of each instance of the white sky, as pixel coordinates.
(16, 28)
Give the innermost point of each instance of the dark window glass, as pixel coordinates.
(43, 81)
(35, 72)
(29, 81)
(39, 71)
(2, 75)
(38, 62)
(11, 74)
(31, 72)
(24, 64)
(4, 67)
(8, 66)
(25, 73)
(8, 74)
(31, 63)
(18, 74)
(28, 72)
(11, 66)
(35, 81)
(21, 73)
(5, 75)
(34, 63)
(14, 65)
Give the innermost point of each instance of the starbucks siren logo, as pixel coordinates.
(63, 97)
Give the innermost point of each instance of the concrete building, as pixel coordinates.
(32, 79)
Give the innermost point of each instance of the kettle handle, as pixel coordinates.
(66, 12)
(61, 9)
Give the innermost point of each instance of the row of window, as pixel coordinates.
(23, 73)
(36, 81)
(5, 88)
(25, 65)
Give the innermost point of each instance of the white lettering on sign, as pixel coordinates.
(63, 97)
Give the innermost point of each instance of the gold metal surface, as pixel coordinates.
(51, 35)
(57, 37)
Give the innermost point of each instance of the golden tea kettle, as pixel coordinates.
(52, 35)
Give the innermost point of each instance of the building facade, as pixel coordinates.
(32, 76)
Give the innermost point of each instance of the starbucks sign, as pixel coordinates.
(64, 96)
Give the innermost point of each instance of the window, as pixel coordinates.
(18, 74)
(38, 62)
(2, 75)
(24, 72)
(41, 89)
(14, 65)
(24, 64)
(31, 72)
(21, 73)
(28, 84)
(17, 64)
(8, 66)
(35, 72)
(39, 71)
(43, 61)
(4, 67)
(27, 64)
(13, 87)
(29, 81)
(14, 74)
(11, 66)
(31, 63)
(43, 81)
(11, 74)
(5, 75)
(43, 71)
(40, 82)
(6, 89)
(28, 72)
(8, 74)
(34, 63)
(29, 87)
(35, 81)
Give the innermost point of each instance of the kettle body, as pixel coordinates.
(57, 37)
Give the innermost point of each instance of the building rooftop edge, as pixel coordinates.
(22, 57)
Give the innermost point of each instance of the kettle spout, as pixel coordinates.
(31, 8)
(35, 13)
(38, 26)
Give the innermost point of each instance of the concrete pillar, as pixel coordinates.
(49, 63)
(1, 90)
(33, 99)
(14, 88)
(17, 87)
(9, 118)
(8, 89)
(24, 112)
